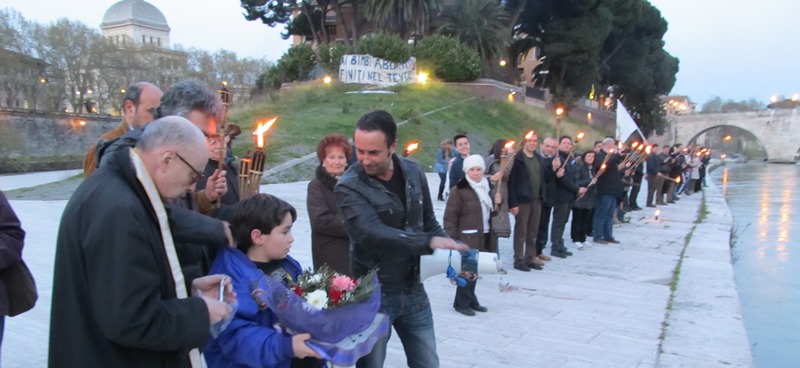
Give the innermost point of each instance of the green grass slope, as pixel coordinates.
(306, 113)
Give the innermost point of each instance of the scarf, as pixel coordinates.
(169, 246)
(482, 190)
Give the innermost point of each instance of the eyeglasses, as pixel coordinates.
(196, 174)
(211, 138)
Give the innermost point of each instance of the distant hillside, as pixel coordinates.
(308, 112)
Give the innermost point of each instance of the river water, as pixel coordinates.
(764, 200)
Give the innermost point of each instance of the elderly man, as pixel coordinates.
(119, 298)
(386, 207)
(140, 102)
(526, 190)
(609, 189)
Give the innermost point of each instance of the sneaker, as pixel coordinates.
(578, 245)
(587, 244)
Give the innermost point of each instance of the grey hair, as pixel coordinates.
(171, 131)
(187, 96)
(608, 142)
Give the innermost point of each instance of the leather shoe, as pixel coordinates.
(600, 241)
(651, 205)
(522, 267)
(534, 266)
(612, 240)
(466, 312)
(538, 261)
(544, 257)
(558, 254)
(637, 208)
(479, 308)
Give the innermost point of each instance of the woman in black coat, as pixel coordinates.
(329, 242)
(582, 208)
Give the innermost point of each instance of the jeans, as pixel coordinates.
(410, 314)
(603, 222)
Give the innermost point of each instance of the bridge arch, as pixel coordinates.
(741, 140)
(777, 130)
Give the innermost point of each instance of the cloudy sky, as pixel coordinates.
(732, 49)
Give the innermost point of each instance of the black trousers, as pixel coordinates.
(560, 218)
(442, 179)
(581, 224)
(637, 185)
(465, 296)
(544, 223)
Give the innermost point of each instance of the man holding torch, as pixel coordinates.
(525, 195)
(609, 186)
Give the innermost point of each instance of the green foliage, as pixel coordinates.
(329, 57)
(449, 59)
(294, 65)
(269, 12)
(481, 25)
(384, 46)
(397, 15)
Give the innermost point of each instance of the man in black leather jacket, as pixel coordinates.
(386, 207)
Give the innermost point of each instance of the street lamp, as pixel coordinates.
(728, 138)
(502, 62)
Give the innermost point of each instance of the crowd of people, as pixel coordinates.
(157, 250)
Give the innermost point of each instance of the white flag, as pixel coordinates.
(625, 124)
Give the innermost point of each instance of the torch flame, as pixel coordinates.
(634, 145)
(678, 180)
(619, 145)
(509, 144)
(581, 135)
(412, 146)
(602, 167)
(648, 149)
(261, 129)
(529, 135)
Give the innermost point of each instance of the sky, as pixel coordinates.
(736, 50)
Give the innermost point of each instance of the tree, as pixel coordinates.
(269, 12)
(480, 25)
(397, 15)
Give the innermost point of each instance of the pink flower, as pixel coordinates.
(342, 283)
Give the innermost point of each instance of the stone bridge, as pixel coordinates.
(777, 130)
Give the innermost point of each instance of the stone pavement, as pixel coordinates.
(603, 307)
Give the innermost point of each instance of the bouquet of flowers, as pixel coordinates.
(340, 313)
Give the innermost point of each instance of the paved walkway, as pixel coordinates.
(603, 307)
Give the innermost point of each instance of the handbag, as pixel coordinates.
(21, 288)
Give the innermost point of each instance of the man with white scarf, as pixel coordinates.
(466, 219)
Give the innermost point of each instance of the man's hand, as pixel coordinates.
(560, 172)
(496, 177)
(216, 186)
(208, 286)
(300, 349)
(440, 242)
(498, 198)
(217, 310)
(514, 211)
(556, 163)
(581, 191)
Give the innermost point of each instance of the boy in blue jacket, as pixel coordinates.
(262, 230)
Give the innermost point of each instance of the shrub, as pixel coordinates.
(384, 46)
(294, 65)
(449, 59)
(329, 57)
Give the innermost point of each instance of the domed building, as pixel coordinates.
(137, 22)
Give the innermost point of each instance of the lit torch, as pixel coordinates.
(252, 168)
(504, 161)
(577, 139)
(410, 148)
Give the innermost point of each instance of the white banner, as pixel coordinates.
(366, 69)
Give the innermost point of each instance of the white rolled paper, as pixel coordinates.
(436, 263)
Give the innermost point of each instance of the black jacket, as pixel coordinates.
(384, 232)
(566, 190)
(610, 181)
(519, 184)
(114, 300)
(329, 242)
(582, 174)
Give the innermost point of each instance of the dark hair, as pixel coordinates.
(333, 140)
(459, 136)
(654, 145)
(596, 143)
(379, 120)
(497, 148)
(186, 96)
(133, 93)
(583, 156)
(561, 138)
(259, 211)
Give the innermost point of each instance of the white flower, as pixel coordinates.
(318, 299)
(315, 279)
